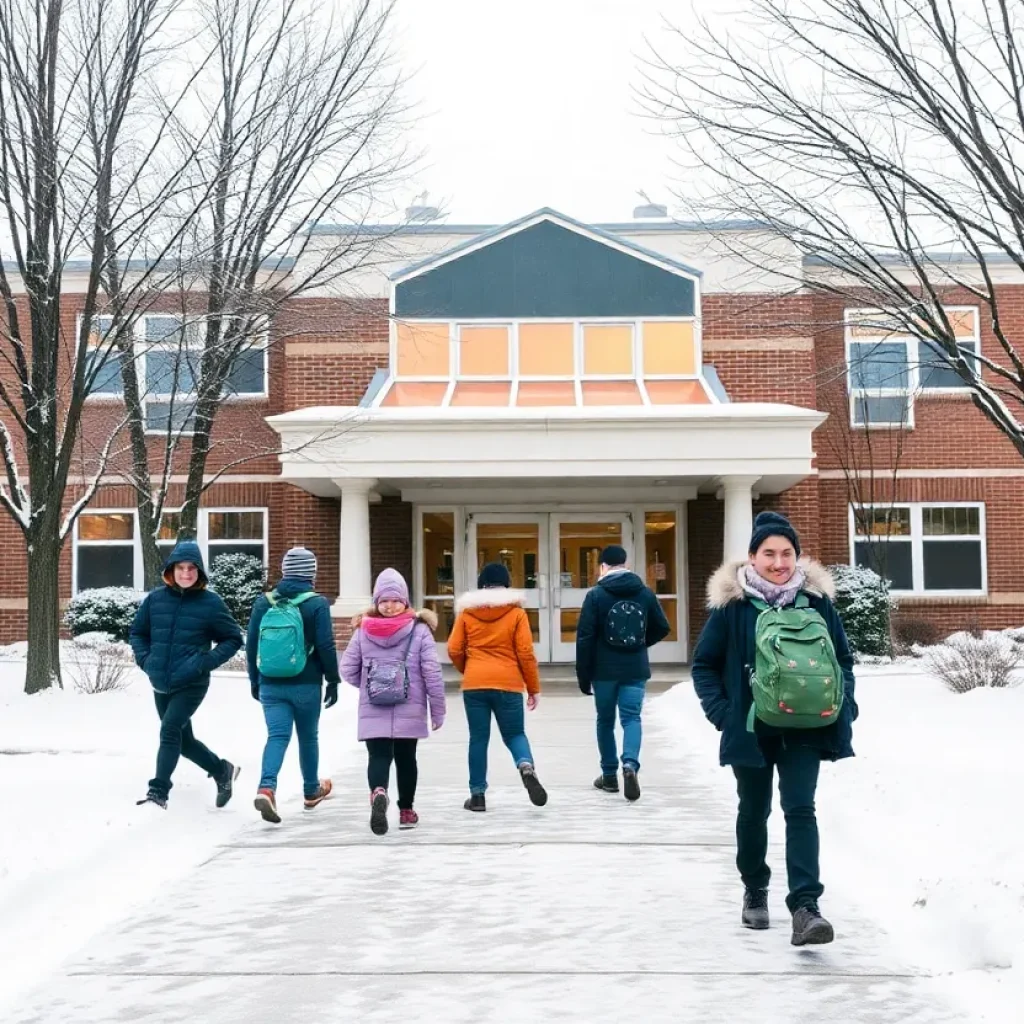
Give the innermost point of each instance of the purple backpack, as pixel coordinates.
(387, 682)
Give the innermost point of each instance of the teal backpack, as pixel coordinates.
(797, 682)
(281, 652)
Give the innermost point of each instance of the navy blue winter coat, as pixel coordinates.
(322, 662)
(595, 659)
(174, 629)
(723, 660)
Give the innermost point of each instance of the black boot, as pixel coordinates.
(810, 928)
(631, 784)
(153, 797)
(755, 909)
(476, 802)
(607, 783)
(538, 794)
(225, 781)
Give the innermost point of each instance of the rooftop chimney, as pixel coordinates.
(650, 211)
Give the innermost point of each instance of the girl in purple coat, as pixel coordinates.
(390, 722)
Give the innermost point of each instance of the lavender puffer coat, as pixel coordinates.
(408, 720)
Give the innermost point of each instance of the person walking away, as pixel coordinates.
(620, 619)
(171, 639)
(491, 644)
(290, 652)
(392, 658)
(774, 675)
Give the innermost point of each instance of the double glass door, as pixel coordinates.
(554, 558)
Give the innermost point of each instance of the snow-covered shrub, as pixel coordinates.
(910, 634)
(965, 662)
(862, 600)
(96, 667)
(239, 579)
(104, 610)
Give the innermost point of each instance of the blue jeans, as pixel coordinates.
(286, 705)
(507, 708)
(629, 699)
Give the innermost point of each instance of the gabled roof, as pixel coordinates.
(554, 217)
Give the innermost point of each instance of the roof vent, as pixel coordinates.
(421, 212)
(650, 211)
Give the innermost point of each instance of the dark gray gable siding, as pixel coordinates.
(545, 271)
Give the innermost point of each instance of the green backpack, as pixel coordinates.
(797, 682)
(281, 651)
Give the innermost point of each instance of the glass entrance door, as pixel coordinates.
(519, 542)
(576, 541)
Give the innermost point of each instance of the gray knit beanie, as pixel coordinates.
(299, 563)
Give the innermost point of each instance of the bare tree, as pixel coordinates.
(884, 140)
(67, 181)
(298, 121)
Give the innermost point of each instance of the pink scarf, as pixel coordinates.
(382, 628)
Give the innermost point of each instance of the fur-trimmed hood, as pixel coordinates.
(499, 599)
(423, 615)
(727, 584)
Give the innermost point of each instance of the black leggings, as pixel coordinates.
(378, 770)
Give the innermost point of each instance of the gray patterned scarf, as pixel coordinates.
(773, 594)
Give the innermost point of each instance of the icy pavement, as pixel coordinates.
(589, 909)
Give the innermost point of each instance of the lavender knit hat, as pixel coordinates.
(391, 586)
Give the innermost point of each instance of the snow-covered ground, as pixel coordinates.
(923, 828)
(75, 851)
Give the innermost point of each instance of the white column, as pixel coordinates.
(737, 492)
(356, 586)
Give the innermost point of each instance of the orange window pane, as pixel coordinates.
(481, 393)
(668, 348)
(546, 350)
(483, 352)
(607, 349)
(676, 392)
(964, 322)
(106, 526)
(611, 392)
(546, 392)
(407, 393)
(422, 349)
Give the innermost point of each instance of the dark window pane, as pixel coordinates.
(246, 374)
(892, 560)
(159, 413)
(163, 328)
(236, 526)
(935, 370)
(890, 410)
(240, 548)
(878, 364)
(108, 377)
(952, 565)
(172, 372)
(165, 548)
(109, 565)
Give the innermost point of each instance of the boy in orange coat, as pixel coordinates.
(491, 644)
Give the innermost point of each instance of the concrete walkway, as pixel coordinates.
(589, 909)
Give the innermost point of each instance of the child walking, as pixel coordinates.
(392, 659)
(492, 646)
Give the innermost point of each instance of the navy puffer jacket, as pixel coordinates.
(174, 629)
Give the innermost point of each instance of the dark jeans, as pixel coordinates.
(378, 769)
(507, 708)
(798, 779)
(628, 699)
(287, 706)
(177, 739)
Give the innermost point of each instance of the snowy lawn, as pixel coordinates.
(75, 851)
(923, 828)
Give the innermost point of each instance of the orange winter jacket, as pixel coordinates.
(491, 643)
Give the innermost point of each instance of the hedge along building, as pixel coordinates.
(532, 392)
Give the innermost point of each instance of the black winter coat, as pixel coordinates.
(174, 629)
(723, 660)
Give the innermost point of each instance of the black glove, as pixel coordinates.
(586, 689)
(254, 689)
(331, 695)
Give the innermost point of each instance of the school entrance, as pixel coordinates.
(553, 556)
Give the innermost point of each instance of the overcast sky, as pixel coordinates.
(531, 104)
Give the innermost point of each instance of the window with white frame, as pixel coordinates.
(887, 367)
(923, 548)
(108, 376)
(107, 551)
(169, 353)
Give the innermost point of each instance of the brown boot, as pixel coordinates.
(319, 796)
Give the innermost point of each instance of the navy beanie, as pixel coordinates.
(614, 554)
(772, 524)
(494, 574)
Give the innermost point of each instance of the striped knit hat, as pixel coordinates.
(299, 563)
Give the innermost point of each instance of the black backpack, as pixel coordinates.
(625, 625)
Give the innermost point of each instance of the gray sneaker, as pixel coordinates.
(755, 909)
(810, 928)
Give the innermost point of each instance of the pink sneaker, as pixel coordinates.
(408, 819)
